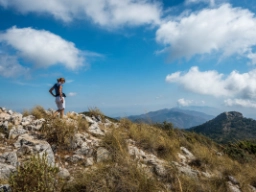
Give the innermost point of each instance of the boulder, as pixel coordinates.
(64, 174)
(9, 158)
(28, 143)
(5, 188)
(16, 131)
(95, 129)
(103, 155)
(232, 187)
(6, 170)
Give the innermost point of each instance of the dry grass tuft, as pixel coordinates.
(37, 111)
(59, 131)
(94, 111)
(152, 139)
(34, 175)
(114, 178)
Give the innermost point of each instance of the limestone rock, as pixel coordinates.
(36, 124)
(6, 170)
(187, 154)
(5, 188)
(75, 158)
(232, 187)
(28, 143)
(88, 119)
(16, 118)
(27, 120)
(64, 174)
(89, 161)
(103, 154)
(187, 170)
(95, 129)
(9, 158)
(16, 131)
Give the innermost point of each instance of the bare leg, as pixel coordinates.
(55, 113)
(62, 113)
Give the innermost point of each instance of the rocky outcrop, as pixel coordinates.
(85, 150)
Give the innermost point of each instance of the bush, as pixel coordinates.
(34, 175)
(59, 131)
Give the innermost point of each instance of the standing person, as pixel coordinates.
(60, 100)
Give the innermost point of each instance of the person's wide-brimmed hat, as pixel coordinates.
(61, 79)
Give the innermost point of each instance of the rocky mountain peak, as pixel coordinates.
(231, 115)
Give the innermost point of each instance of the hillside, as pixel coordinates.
(228, 126)
(178, 117)
(90, 153)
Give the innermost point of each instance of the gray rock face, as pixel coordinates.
(9, 158)
(95, 129)
(64, 174)
(16, 131)
(5, 188)
(27, 144)
(103, 155)
(36, 124)
(6, 170)
(232, 187)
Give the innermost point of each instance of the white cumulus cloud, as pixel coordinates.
(240, 102)
(184, 102)
(103, 12)
(241, 85)
(10, 67)
(224, 30)
(42, 48)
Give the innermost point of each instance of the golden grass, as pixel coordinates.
(96, 112)
(34, 175)
(114, 178)
(37, 111)
(152, 139)
(59, 131)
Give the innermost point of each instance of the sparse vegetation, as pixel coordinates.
(123, 173)
(34, 175)
(94, 111)
(59, 131)
(38, 111)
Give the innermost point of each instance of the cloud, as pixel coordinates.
(71, 94)
(224, 30)
(240, 102)
(241, 85)
(110, 13)
(10, 67)
(183, 102)
(42, 48)
(211, 2)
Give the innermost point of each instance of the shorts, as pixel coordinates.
(59, 104)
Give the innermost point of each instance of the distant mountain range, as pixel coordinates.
(228, 126)
(178, 117)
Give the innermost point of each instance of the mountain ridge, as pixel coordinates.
(178, 117)
(227, 127)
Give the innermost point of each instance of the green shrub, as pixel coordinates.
(34, 175)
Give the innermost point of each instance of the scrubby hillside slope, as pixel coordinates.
(90, 153)
(228, 126)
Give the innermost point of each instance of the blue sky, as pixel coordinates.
(129, 56)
